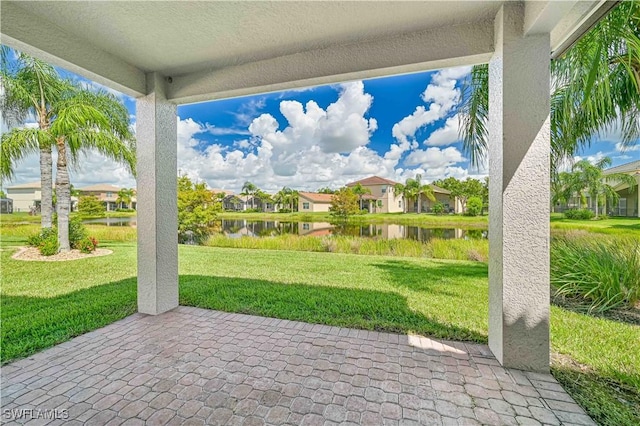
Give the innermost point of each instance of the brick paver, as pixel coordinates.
(196, 366)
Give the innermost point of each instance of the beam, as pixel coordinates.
(411, 52)
(543, 16)
(31, 34)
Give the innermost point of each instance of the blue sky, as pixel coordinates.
(393, 127)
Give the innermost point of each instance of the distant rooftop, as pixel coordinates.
(30, 185)
(633, 166)
(101, 187)
(316, 197)
(372, 180)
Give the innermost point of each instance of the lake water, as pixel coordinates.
(234, 228)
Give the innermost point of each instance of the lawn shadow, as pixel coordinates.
(416, 278)
(354, 308)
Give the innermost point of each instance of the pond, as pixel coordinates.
(113, 221)
(261, 228)
(236, 228)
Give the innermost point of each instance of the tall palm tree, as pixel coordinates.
(360, 191)
(408, 193)
(77, 120)
(590, 178)
(30, 88)
(421, 189)
(294, 197)
(249, 190)
(125, 196)
(595, 86)
(561, 188)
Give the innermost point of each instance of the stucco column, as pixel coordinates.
(157, 209)
(519, 143)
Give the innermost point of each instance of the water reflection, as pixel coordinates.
(113, 221)
(253, 228)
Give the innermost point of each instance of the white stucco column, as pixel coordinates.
(157, 209)
(519, 194)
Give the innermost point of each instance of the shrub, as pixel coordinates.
(37, 239)
(49, 246)
(579, 214)
(474, 206)
(77, 232)
(87, 245)
(438, 208)
(604, 273)
(90, 205)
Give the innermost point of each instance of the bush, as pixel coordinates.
(90, 205)
(49, 246)
(474, 206)
(579, 214)
(604, 273)
(37, 239)
(77, 232)
(125, 210)
(438, 208)
(87, 245)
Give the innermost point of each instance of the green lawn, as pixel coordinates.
(47, 303)
(613, 225)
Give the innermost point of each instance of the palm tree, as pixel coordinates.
(125, 196)
(595, 85)
(408, 193)
(249, 190)
(561, 188)
(590, 178)
(360, 191)
(30, 87)
(421, 189)
(74, 121)
(293, 198)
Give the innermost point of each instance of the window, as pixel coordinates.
(305, 226)
(384, 189)
(109, 194)
(400, 204)
(305, 206)
(379, 203)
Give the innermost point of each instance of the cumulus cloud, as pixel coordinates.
(447, 134)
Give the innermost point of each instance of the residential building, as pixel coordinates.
(311, 202)
(629, 196)
(108, 194)
(26, 197)
(382, 198)
(240, 203)
(315, 229)
(443, 196)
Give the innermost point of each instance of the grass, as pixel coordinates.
(452, 249)
(596, 359)
(604, 272)
(612, 225)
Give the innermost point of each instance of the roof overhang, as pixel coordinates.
(213, 50)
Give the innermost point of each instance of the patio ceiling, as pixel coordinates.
(214, 50)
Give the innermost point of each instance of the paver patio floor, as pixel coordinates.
(196, 366)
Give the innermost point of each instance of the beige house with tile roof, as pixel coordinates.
(25, 196)
(311, 202)
(106, 193)
(382, 198)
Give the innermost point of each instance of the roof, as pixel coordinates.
(224, 191)
(316, 197)
(440, 190)
(372, 180)
(633, 166)
(101, 187)
(30, 185)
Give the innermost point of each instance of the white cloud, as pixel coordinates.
(435, 157)
(621, 148)
(447, 134)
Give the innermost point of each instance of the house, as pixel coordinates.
(443, 196)
(108, 194)
(25, 196)
(629, 196)
(240, 203)
(311, 202)
(383, 198)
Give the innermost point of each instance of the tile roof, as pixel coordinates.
(101, 187)
(30, 185)
(316, 198)
(372, 180)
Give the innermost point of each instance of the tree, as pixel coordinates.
(464, 189)
(595, 86)
(475, 206)
(344, 203)
(73, 120)
(90, 205)
(360, 191)
(590, 178)
(30, 87)
(249, 190)
(414, 188)
(264, 198)
(125, 196)
(561, 188)
(196, 209)
(326, 190)
(407, 192)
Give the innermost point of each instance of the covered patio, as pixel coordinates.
(171, 53)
